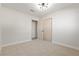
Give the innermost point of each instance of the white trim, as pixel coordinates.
(9, 44)
(66, 45)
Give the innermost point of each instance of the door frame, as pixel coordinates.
(36, 29)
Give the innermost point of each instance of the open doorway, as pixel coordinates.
(34, 29)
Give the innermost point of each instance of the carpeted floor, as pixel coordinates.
(38, 48)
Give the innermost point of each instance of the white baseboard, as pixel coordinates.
(66, 45)
(19, 42)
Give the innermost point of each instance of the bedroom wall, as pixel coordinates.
(66, 27)
(16, 26)
(0, 38)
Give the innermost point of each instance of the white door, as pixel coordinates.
(47, 29)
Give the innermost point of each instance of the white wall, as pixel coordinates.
(16, 26)
(0, 33)
(66, 27)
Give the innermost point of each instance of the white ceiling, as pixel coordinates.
(28, 7)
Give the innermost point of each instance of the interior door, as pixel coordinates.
(47, 29)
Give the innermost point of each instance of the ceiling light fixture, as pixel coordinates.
(43, 6)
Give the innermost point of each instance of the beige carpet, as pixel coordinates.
(38, 48)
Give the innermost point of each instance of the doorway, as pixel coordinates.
(34, 29)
